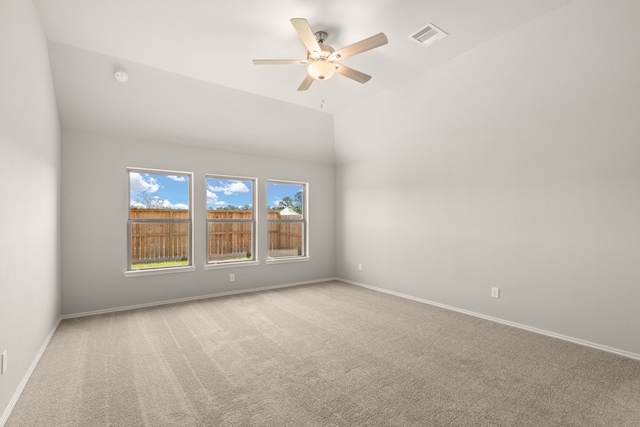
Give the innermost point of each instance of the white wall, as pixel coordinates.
(156, 105)
(29, 193)
(516, 166)
(94, 221)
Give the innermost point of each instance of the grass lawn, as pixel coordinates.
(158, 264)
(162, 264)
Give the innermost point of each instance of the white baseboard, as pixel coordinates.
(12, 403)
(23, 383)
(25, 379)
(504, 322)
(199, 297)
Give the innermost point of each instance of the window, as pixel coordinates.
(159, 226)
(231, 225)
(287, 220)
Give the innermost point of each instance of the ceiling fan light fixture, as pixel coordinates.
(322, 59)
(321, 69)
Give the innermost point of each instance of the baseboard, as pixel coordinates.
(23, 383)
(199, 297)
(12, 403)
(502, 321)
(7, 412)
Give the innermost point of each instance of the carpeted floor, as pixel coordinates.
(327, 354)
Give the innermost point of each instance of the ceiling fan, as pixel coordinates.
(322, 60)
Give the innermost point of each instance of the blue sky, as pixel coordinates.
(172, 191)
(276, 192)
(225, 192)
(169, 191)
(222, 192)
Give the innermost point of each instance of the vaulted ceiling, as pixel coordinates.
(205, 48)
(215, 41)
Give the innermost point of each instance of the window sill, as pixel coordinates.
(231, 265)
(156, 271)
(286, 260)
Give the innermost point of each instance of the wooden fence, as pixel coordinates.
(167, 241)
(228, 240)
(159, 241)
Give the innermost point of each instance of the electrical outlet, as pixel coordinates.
(359, 267)
(495, 292)
(3, 362)
(232, 277)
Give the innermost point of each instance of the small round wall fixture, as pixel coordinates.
(121, 75)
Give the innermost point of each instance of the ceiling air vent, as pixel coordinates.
(428, 35)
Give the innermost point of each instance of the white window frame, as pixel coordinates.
(305, 223)
(254, 261)
(129, 272)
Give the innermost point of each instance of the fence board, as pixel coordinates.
(170, 241)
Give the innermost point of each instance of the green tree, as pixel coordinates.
(294, 204)
(297, 206)
(285, 202)
(150, 201)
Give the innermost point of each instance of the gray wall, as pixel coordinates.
(29, 177)
(94, 220)
(160, 106)
(515, 166)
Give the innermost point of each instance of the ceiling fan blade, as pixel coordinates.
(279, 61)
(306, 34)
(352, 74)
(362, 46)
(306, 83)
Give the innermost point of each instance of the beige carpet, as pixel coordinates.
(328, 354)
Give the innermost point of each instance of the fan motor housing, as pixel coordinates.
(321, 36)
(325, 51)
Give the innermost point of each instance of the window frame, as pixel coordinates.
(254, 261)
(304, 221)
(129, 271)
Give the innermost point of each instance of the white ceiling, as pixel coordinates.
(214, 41)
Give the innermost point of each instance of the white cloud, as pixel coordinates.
(160, 204)
(212, 198)
(138, 183)
(230, 188)
(177, 178)
(181, 206)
